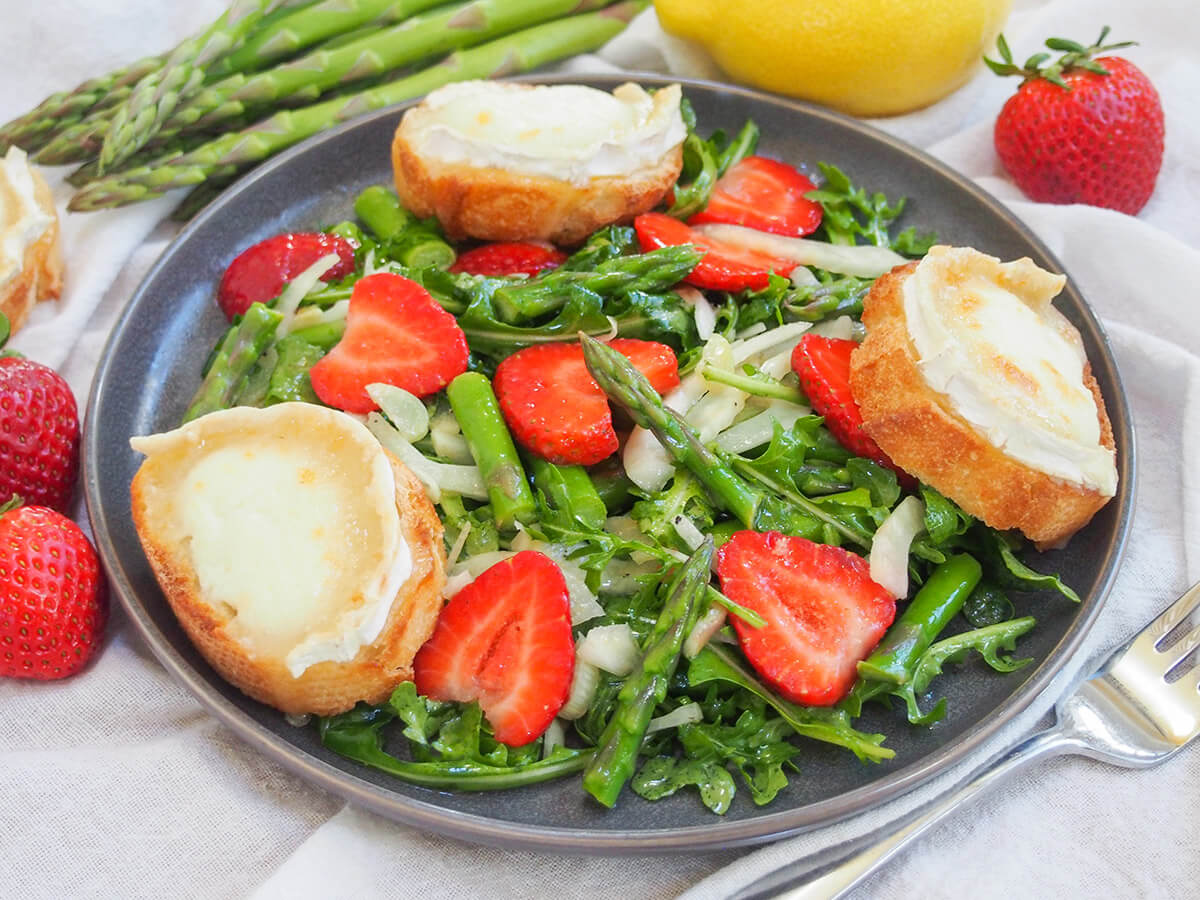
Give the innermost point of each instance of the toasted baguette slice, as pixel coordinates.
(29, 225)
(516, 201)
(265, 648)
(919, 428)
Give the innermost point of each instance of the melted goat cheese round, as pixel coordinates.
(289, 514)
(569, 132)
(988, 338)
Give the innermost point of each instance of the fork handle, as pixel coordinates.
(851, 869)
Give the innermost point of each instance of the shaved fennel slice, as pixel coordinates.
(789, 334)
(646, 461)
(688, 714)
(612, 648)
(554, 736)
(583, 687)
(435, 476)
(842, 327)
(299, 287)
(889, 548)
(863, 260)
(759, 430)
(704, 629)
(702, 310)
(405, 411)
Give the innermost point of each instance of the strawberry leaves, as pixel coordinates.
(1075, 56)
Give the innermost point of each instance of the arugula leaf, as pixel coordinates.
(830, 725)
(755, 744)
(944, 521)
(704, 161)
(880, 481)
(850, 213)
(987, 605)
(780, 301)
(684, 496)
(1001, 563)
(356, 735)
(483, 537)
(989, 642)
(603, 245)
(662, 776)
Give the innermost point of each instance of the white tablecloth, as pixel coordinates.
(116, 783)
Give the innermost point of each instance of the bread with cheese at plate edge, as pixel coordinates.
(32, 271)
(920, 430)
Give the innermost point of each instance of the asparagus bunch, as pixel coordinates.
(210, 108)
(520, 51)
(159, 92)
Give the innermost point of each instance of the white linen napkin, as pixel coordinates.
(116, 783)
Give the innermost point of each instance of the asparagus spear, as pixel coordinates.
(517, 52)
(938, 601)
(658, 270)
(44, 122)
(617, 749)
(159, 92)
(237, 354)
(478, 413)
(569, 488)
(445, 29)
(380, 210)
(306, 27)
(747, 502)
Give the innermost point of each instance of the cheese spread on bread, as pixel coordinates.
(22, 219)
(568, 132)
(289, 517)
(988, 338)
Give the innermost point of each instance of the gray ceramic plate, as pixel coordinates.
(150, 369)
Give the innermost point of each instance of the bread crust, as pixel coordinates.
(325, 688)
(496, 205)
(40, 277)
(920, 431)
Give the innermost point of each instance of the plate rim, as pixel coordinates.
(694, 838)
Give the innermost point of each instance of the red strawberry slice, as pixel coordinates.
(823, 365)
(259, 273)
(823, 612)
(554, 407)
(723, 268)
(396, 334)
(764, 194)
(508, 259)
(504, 640)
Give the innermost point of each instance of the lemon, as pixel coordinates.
(864, 57)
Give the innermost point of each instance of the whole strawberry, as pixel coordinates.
(53, 601)
(1081, 130)
(39, 434)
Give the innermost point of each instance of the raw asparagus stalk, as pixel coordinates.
(441, 31)
(306, 27)
(617, 749)
(238, 352)
(47, 120)
(478, 413)
(748, 503)
(653, 272)
(569, 488)
(936, 603)
(517, 52)
(158, 93)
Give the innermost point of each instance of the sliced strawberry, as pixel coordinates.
(764, 194)
(554, 407)
(723, 268)
(396, 334)
(823, 612)
(823, 365)
(259, 273)
(504, 640)
(508, 259)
